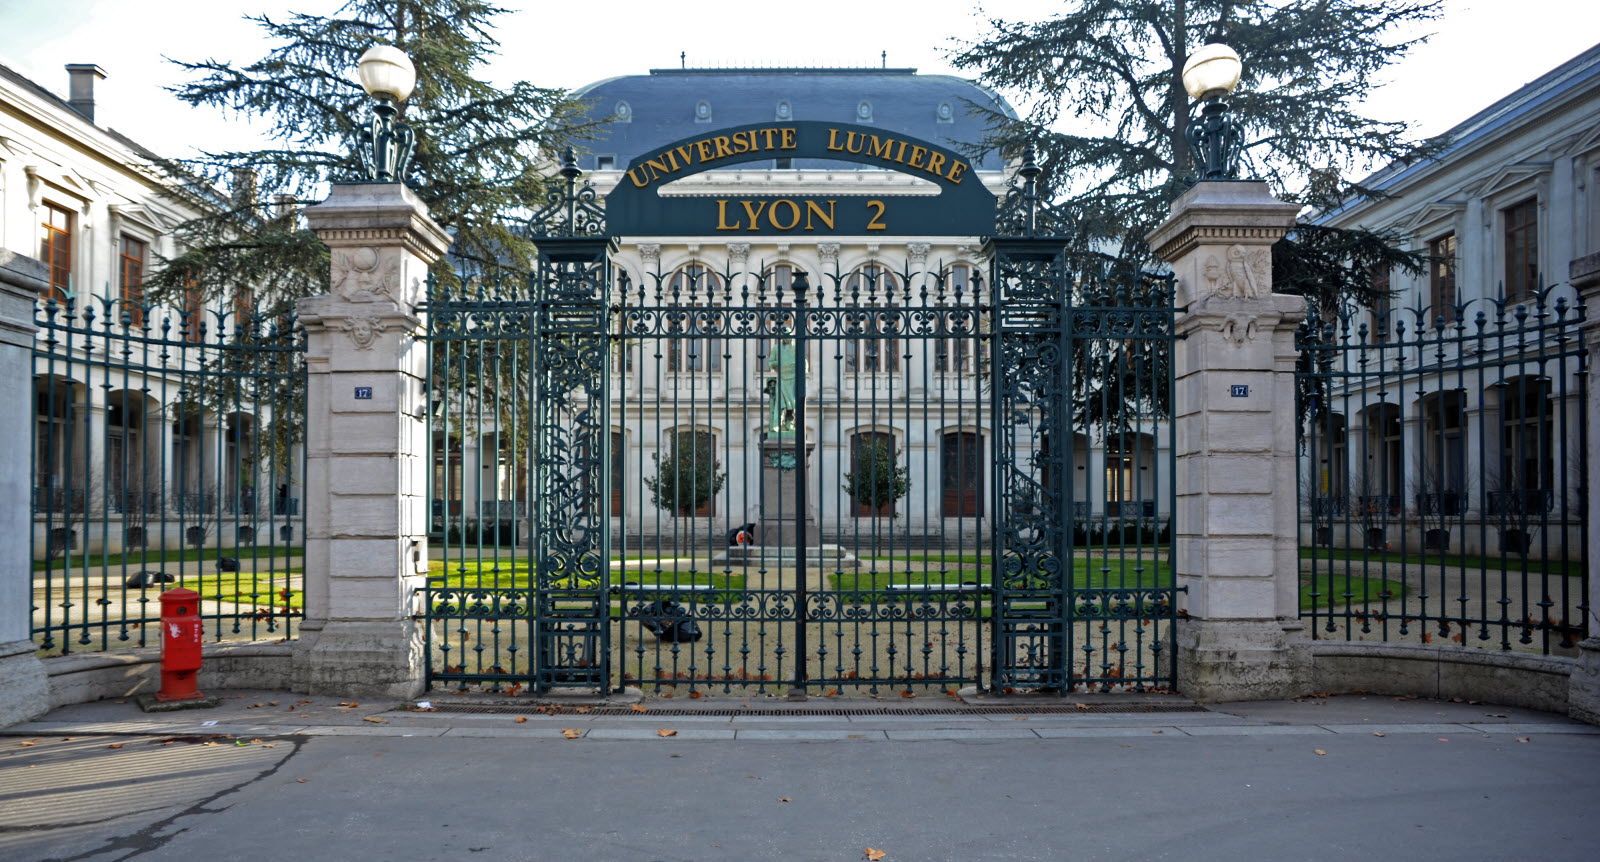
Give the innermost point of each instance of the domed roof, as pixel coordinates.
(670, 104)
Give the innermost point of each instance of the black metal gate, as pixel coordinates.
(746, 477)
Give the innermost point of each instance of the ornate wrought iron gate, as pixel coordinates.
(621, 500)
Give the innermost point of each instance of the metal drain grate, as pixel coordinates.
(1064, 709)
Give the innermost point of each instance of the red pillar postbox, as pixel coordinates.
(181, 636)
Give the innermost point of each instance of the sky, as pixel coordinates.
(572, 44)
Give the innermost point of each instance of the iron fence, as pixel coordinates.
(1443, 476)
(153, 429)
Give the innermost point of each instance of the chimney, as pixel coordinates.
(81, 77)
(244, 187)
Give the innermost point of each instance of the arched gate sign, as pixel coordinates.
(788, 477)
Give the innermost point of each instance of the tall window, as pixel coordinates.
(864, 351)
(872, 474)
(1527, 467)
(961, 474)
(1442, 278)
(1522, 250)
(1444, 449)
(1381, 304)
(1384, 466)
(55, 249)
(955, 355)
(132, 279)
(194, 307)
(244, 309)
(693, 284)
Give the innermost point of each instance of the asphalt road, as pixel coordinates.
(1348, 778)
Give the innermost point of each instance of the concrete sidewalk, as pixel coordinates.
(1329, 778)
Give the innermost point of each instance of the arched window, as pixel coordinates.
(873, 480)
(693, 284)
(866, 352)
(1383, 467)
(960, 355)
(1527, 457)
(1443, 471)
(961, 474)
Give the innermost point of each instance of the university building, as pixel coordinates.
(125, 457)
(1455, 424)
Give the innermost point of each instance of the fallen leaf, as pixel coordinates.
(677, 755)
(208, 743)
(571, 733)
(522, 719)
(116, 745)
(666, 733)
(255, 741)
(1320, 751)
(1524, 739)
(301, 780)
(856, 736)
(908, 693)
(27, 743)
(1443, 739)
(875, 855)
(784, 799)
(1019, 718)
(352, 704)
(1379, 734)
(696, 694)
(639, 707)
(584, 709)
(376, 720)
(270, 745)
(272, 703)
(1495, 714)
(1081, 705)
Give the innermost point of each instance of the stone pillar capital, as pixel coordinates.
(1219, 239)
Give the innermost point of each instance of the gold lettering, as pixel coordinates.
(657, 169)
(754, 213)
(900, 154)
(768, 133)
(722, 216)
(876, 222)
(878, 148)
(684, 153)
(703, 150)
(825, 217)
(833, 140)
(636, 180)
(935, 163)
(955, 172)
(850, 143)
(722, 146)
(916, 156)
(794, 208)
(787, 138)
(739, 145)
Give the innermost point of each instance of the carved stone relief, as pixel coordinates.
(363, 275)
(1247, 274)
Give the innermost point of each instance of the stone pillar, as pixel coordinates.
(1234, 434)
(24, 687)
(366, 445)
(1583, 694)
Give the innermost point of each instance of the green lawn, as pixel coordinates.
(151, 559)
(244, 589)
(1511, 562)
(1345, 589)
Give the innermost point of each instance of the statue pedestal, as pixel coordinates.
(779, 524)
(777, 521)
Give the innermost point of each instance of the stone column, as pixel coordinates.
(1583, 694)
(366, 445)
(1234, 434)
(24, 688)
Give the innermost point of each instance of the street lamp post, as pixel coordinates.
(387, 75)
(1210, 74)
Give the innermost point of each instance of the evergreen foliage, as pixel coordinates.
(479, 154)
(1114, 69)
(876, 479)
(689, 477)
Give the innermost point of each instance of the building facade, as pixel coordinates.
(1455, 424)
(136, 444)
